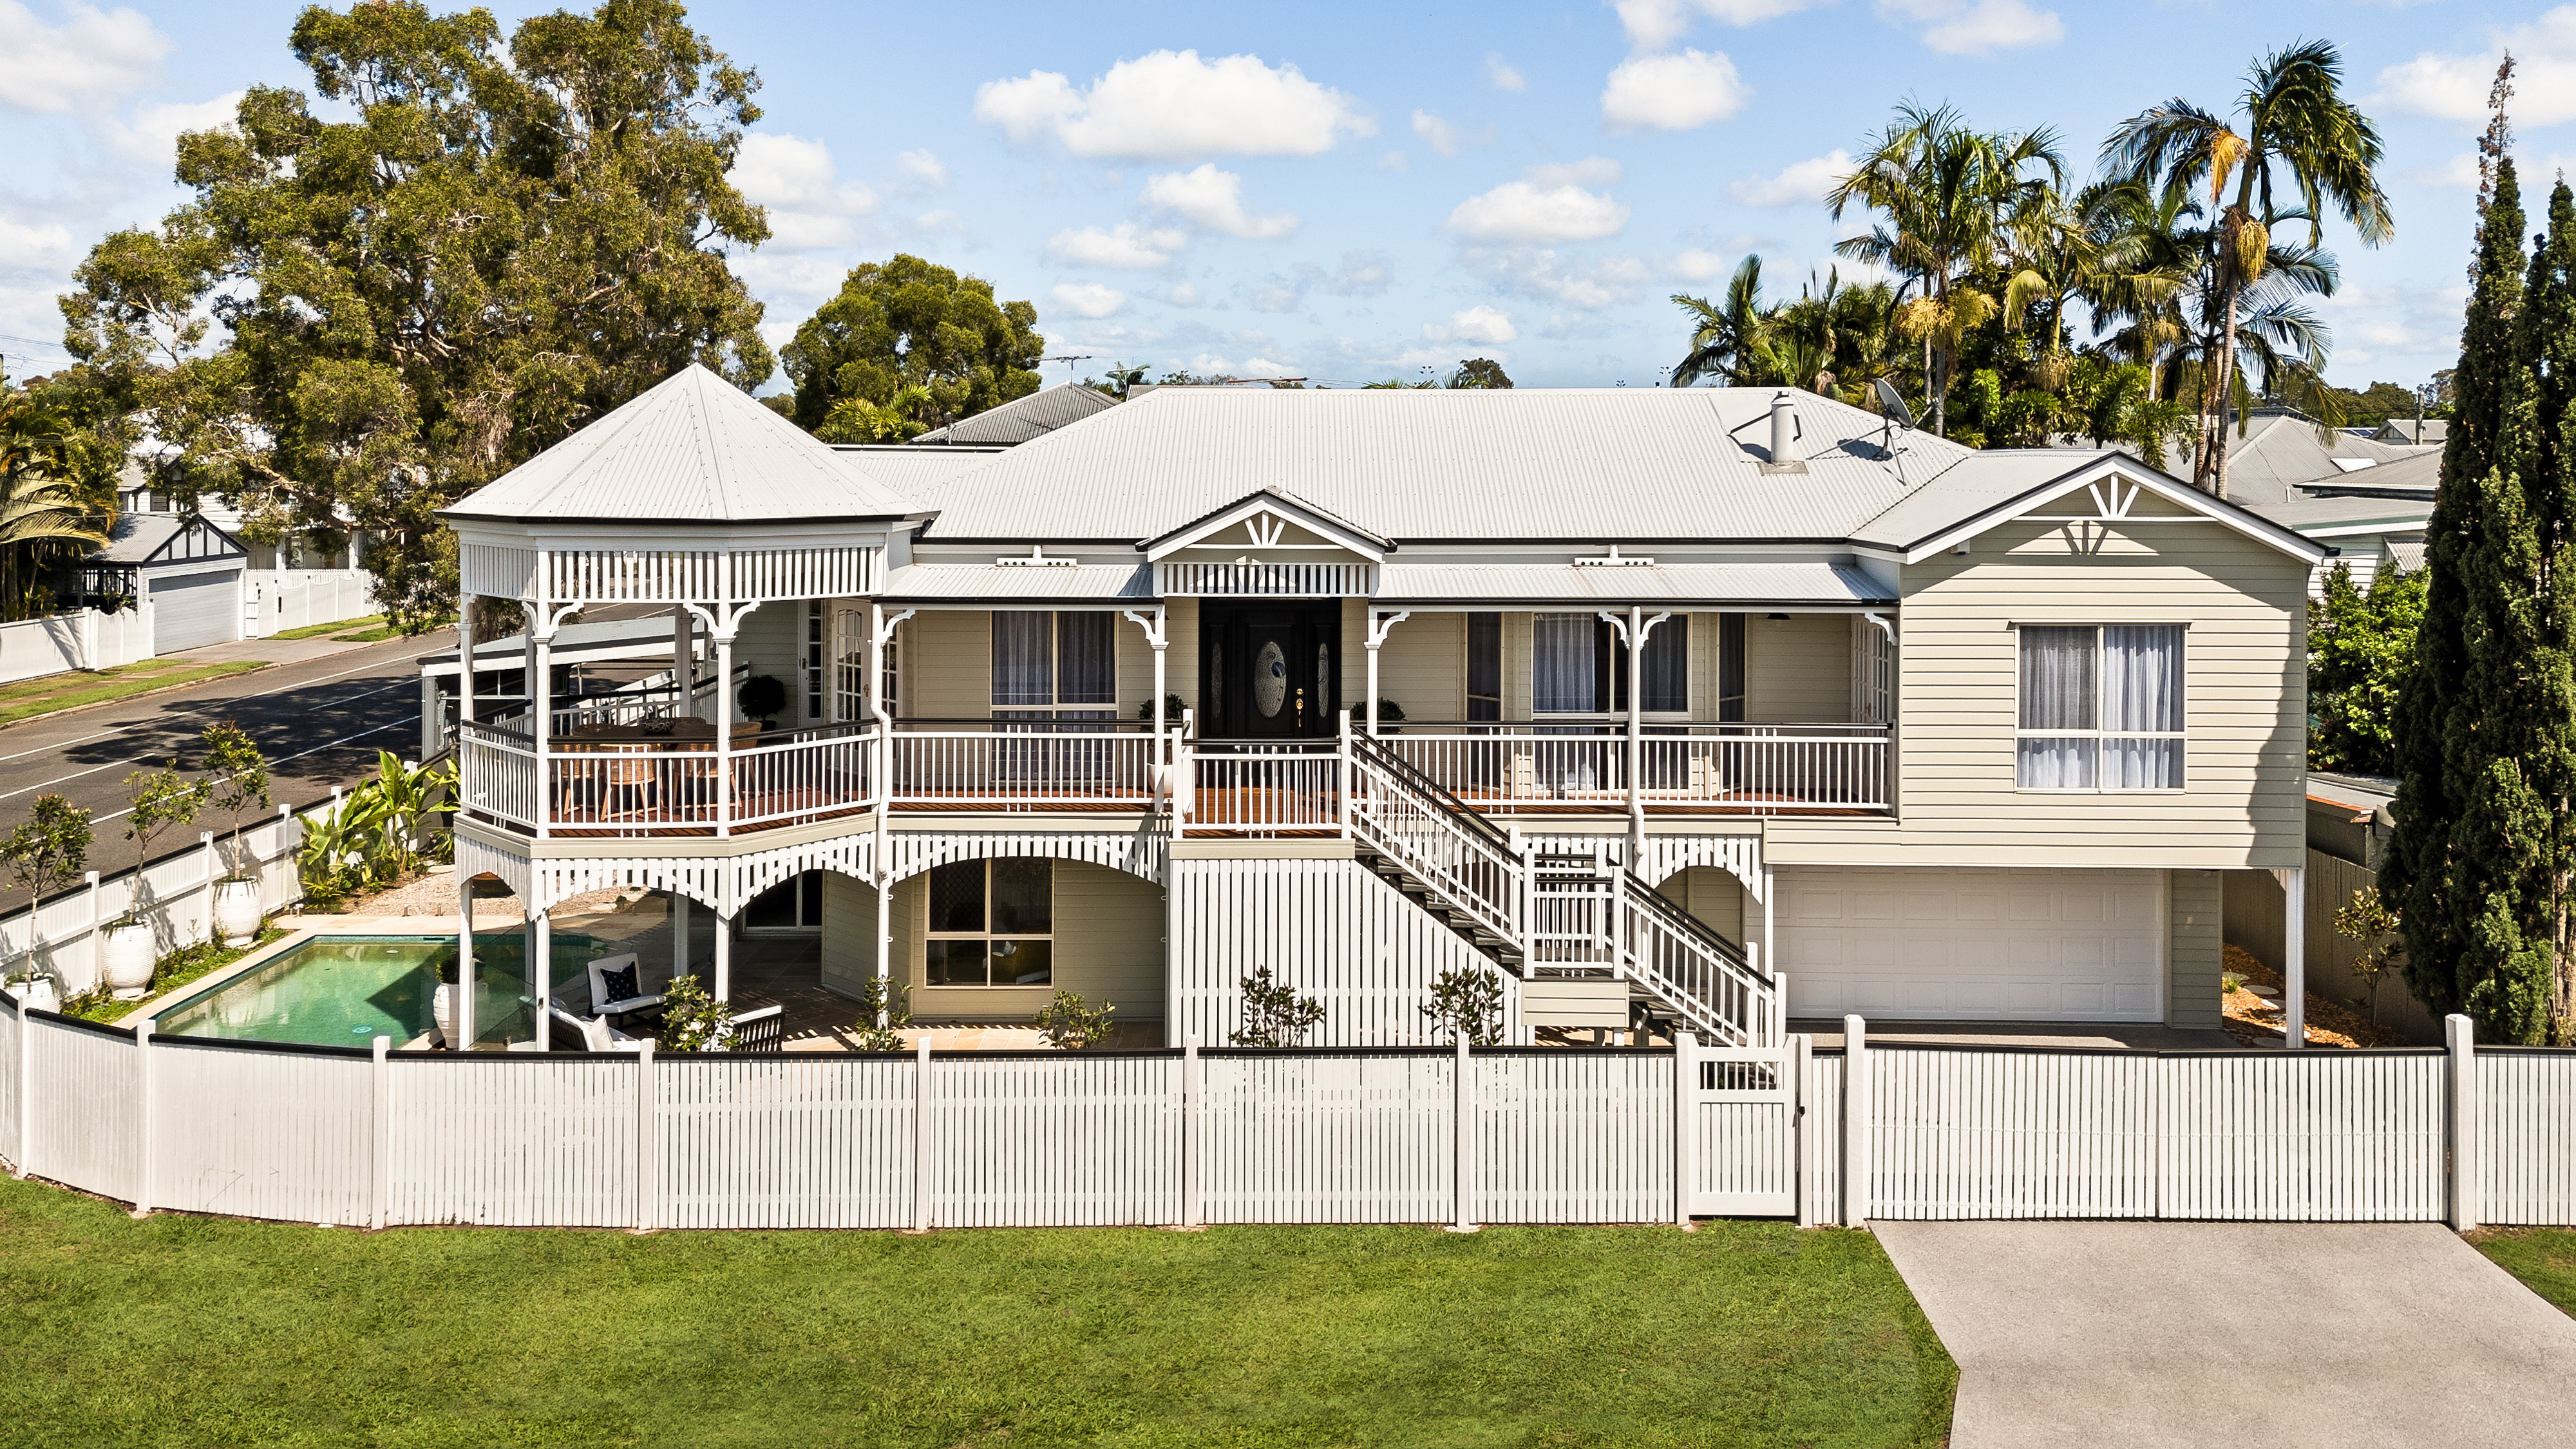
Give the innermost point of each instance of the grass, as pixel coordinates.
(316, 631)
(2543, 1258)
(32, 697)
(169, 974)
(377, 635)
(192, 1331)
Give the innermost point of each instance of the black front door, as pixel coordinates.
(1269, 671)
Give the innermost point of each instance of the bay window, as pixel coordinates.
(2101, 708)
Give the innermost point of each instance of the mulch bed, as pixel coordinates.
(2257, 1022)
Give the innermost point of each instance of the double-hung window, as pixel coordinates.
(992, 923)
(1055, 666)
(2101, 708)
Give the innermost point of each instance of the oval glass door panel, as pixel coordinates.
(1270, 679)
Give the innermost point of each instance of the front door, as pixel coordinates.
(1270, 671)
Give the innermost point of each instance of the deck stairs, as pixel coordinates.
(1537, 913)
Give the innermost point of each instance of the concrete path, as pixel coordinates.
(2228, 1334)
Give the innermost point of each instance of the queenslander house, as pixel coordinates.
(1668, 710)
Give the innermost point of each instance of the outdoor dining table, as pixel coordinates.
(631, 782)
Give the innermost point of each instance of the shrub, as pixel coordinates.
(1274, 1015)
(1470, 1001)
(693, 1021)
(1073, 1023)
(889, 1010)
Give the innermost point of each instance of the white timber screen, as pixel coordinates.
(1396, 1135)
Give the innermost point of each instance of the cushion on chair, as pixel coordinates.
(619, 982)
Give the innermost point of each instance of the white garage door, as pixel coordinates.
(191, 610)
(1973, 945)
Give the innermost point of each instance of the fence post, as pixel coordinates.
(644, 1137)
(1802, 1121)
(97, 967)
(1190, 1130)
(1342, 763)
(380, 1168)
(2459, 1034)
(285, 854)
(921, 1135)
(1856, 1105)
(26, 1085)
(205, 890)
(1685, 1140)
(143, 1111)
(1462, 1137)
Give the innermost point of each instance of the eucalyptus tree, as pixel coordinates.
(2292, 147)
(1944, 194)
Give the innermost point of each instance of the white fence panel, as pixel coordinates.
(1820, 1148)
(1573, 1136)
(9, 1098)
(263, 1132)
(513, 1139)
(87, 1128)
(1065, 1141)
(2012, 1134)
(1328, 1137)
(784, 1141)
(2526, 1135)
(171, 895)
(2314, 1136)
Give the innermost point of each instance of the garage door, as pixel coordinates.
(1973, 945)
(195, 609)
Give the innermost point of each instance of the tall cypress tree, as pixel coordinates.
(2549, 323)
(2419, 877)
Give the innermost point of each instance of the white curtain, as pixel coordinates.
(1023, 658)
(2142, 692)
(2059, 691)
(1562, 664)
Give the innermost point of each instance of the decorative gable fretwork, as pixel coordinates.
(670, 576)
(1265, 546)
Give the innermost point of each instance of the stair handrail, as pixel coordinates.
(1372, 761)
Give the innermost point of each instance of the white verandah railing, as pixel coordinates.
(1738, 768)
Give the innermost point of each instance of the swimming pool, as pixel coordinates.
(348, 990)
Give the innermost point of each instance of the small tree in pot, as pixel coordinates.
(762, 698)
(44, 855)
(162, 798)
(236, 779)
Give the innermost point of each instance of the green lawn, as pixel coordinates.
(32, 697)
(316, 631)
(187, 1331)
(2543, 1258)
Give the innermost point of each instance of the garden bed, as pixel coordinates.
(2256, 1021)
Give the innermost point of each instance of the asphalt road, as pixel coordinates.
(320, 722)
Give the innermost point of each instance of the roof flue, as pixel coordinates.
(1784, 436)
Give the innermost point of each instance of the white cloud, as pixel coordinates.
(1802, 183)
(1673, 92)
(1182, 295)
(152, 138)
(2453, 85)
(1590, 171)
(1975, 27)
(808, 209)
(1698, 265)
(1521, 211)
(1654, 24)
(1503, 77)
(1480, 323)
(1277, 297)
(36, 247)
(1174, 106)
(1214, 199)
(1126, 245)
(924, 168)
(93, 55)
(1541, 272)
(1090, 299)
(1445, 138)
(2460, 173)
(1395, 161)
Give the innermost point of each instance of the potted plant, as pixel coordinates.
(44, 855)
(762, 698)
(236, 778)
(162, 798)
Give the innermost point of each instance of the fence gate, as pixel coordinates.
(1738, 1115)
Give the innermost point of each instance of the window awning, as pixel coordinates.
(1706, 586)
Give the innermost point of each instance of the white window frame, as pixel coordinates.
(988, 935)
(2098, 734)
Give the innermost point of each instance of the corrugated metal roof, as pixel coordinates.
(1988, 481)
(136, 536)
(2277, 452)
(1014, 583)
(691, 449)
(1022, 419)
(915, 473)
(1766, 584)
(2406, 558)
(1576, 464)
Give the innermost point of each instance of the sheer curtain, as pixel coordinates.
(2142, 695)
(2059, 691)
(1023, 658)
(1561, 664)
(1086, 658)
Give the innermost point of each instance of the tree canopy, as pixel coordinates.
(908, 323)
(370, 311)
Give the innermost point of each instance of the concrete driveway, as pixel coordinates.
(2226, 1334)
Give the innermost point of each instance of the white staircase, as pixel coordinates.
(1551, 914)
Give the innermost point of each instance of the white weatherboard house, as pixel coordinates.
(1718, 706)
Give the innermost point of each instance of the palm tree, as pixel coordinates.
(1727, 340)
(1944, 193)
(2090, 246)
(1836, 331)
(2299, 138)
(896, 420)
(37, 504)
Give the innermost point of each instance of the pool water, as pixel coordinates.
(349, 990)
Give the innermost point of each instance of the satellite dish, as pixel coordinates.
(1892, 403)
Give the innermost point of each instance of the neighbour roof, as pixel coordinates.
(2405, 558)
(1021, 419)
(691, 449)
(135, 537)
(2402, 430)
(2281, 450)
(2399, 493)
(1771, 585)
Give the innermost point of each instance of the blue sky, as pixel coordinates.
(1351, 192)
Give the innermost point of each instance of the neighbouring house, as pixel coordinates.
(2356, 496)
(1713, 707)
(1023, 419)
(181, 571)
(313, 577)
(2419, 432)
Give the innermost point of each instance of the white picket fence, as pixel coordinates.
(174, 895)
(1502, 1135)
(276, 600)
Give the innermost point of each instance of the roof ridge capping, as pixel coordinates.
(738, 462)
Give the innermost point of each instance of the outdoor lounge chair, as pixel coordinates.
(610, 1005)
(596, 1034)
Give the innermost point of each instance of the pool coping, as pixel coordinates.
(309, 928)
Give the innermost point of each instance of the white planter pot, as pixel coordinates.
(237, 911)
(39, 993)
(442, 1009)
(126, 955)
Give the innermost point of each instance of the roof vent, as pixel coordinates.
(1784, 433)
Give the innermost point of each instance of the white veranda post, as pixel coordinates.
(1378, 628)
(2294, 954)
(464, 1011)
(684, 684)
(541, 981)
(1157, 635)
